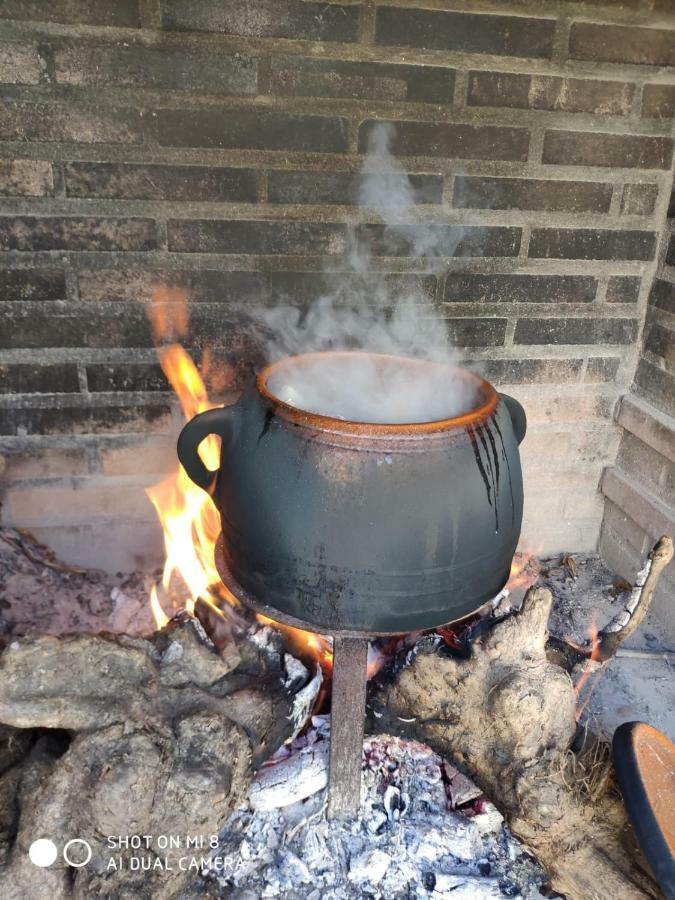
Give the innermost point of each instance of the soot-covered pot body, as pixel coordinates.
(367, 528)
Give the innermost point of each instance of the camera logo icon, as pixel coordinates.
(76, 852)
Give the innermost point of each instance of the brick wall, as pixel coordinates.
(214, 146)
(639, 489)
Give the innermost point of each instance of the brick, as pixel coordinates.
(347, 188)
(655, 385)
(622, 44)
(297, 77)
(250, 129)
(527, 371)
(452, 140)
(126, 377)
(78, 420)
(301, 288)
(670, 252)
(27, 378)
(645, 508)
(648, 424)
(76, 233)
(585, 148)
(26, 178)
(138, 285)
(466, 32)
(476, 332)
(591, 243)
(531, 193)
(661, 342)
(30, 461)
(264, 18)
(19, 63)
(662, 295)
(441, 240)
(658, 101)
(623, 289)
(32, 284)
(81, 500)
(156, 182)
(602, 369)
(639, 199)
(146, 455)
(641, 462)
(20, 121)
(164, 67)
(616, 520)
(575, 331)
(611, 98)
(563, 408)
(59, 326)
(279, 237)
(121, 13)
(503, 288)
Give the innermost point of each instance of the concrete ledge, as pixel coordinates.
(644, 508)
(650, 425)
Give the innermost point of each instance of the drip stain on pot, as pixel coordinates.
(479, 462)
(494, 472)
(505, 457)
(269, 415)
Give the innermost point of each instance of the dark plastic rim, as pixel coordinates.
(651, 839)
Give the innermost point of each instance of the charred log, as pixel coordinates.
(162, 739)
(506, 716)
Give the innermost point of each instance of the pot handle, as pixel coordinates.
(518, 417)
(214, 421)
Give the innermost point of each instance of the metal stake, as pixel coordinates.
(348, 710)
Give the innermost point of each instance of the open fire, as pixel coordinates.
(190, 520)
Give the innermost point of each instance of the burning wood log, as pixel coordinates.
(147, 737)
(506, 715)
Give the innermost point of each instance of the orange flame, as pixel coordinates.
(590, 670)
(189, 519)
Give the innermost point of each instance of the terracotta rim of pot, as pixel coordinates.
(329, 423)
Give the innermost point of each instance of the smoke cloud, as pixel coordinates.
(364, 312)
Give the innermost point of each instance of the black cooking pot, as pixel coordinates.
(366, 525)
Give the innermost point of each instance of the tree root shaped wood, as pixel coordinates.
(506, 716)
(157, 737)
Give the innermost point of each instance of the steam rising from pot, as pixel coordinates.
(361, 387)
(364, 313)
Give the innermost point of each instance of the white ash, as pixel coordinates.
(425, 831)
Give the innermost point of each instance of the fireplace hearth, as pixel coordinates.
(337, 449)
(109, 698)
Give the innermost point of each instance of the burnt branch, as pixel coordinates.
(629, 619)
(506, 716)
(159, 737)
(624, 623)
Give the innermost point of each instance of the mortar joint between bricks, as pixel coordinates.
(461, 89)
(162, 234)
(510, 331)
(150, 14)
(525, 235)
(262, 185)
(561, 39)
(82, 378)
(59, 179)
(264, 76)
(616, 199)
(536, 148)
(367, 23)
(72, 282)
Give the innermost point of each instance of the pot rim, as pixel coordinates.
(329, 423)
